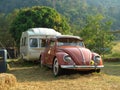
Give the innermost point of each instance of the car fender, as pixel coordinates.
(96, 54)
(60, 56)
(42, 56)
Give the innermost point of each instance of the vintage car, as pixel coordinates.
(69, 52)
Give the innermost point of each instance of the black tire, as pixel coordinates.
(56, 68)
(97, 70)
(40, 62)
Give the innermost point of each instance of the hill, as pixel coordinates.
(74, 9)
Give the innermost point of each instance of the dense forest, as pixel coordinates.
(83, 16)
(74, 9)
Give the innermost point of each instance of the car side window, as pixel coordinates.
(42, 42)
(52, 43)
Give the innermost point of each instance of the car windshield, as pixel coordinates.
(70, 42)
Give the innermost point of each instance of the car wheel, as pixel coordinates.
(56, 68)
(41, 65)
(98, 70)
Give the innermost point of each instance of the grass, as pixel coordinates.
(116, 50)
(115, 53)
(116, 47)
(112, 68)
(31, 76)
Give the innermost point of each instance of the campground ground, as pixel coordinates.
(30, 76)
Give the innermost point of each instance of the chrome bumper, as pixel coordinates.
(80, 67)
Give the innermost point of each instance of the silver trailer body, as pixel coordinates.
(33, 42)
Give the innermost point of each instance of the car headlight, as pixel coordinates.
(67, 58)
(97, 59)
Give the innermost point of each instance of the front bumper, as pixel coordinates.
(81, 67)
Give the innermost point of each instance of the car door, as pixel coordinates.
(50, 52)
(46, 52)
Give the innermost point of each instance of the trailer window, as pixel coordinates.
(23, 41)
(33, 42)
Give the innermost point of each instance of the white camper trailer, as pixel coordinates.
(33, 41)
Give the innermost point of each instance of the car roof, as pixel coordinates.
(68, 36)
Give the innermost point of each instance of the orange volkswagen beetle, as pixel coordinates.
(68, 52)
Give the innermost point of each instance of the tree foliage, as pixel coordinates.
(97, 35)
(38, 17)
(82, 15)
(76, 10)
(5, 38)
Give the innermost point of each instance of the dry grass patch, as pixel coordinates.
(73, 82)
(7, 81)
(33, 77)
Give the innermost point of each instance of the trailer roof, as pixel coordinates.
(42, 31)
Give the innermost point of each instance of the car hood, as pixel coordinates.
(79, 55)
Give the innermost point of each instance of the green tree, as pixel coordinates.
(97, 34)
(5, 38)
(38, 17)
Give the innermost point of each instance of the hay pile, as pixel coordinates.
(7, 81)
